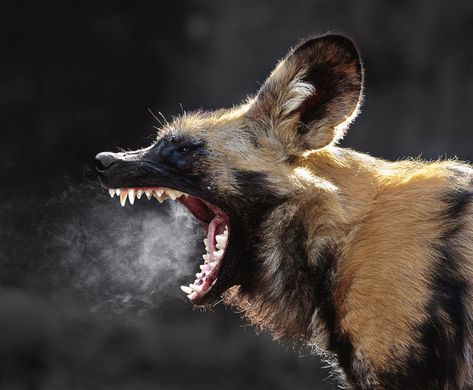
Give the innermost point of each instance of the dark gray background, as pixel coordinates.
(77, 78)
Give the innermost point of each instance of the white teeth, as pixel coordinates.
(218, 254)
(161, 194)
(131, 195)
(198, 275)
(213, 264)
(206, 257)
(192, 296)
(195, 288)
(187, 290)
(202, 267)
(123, 195)
(221, 241)
(225, 232)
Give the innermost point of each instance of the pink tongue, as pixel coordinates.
(216, 226)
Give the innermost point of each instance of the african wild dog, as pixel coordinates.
(367, 259)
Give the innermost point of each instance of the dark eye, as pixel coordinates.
(183, 149)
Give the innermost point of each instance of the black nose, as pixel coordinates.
(104, 160)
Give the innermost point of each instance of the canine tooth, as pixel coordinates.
(218, 254)
(123, 195)
(149, 194)
(111, 192)
(117, 191)
(139, 193)
(206, 257)
(187, 290)
(131, 195)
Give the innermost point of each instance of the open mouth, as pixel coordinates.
(217, 230)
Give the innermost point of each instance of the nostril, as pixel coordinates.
(103, 161)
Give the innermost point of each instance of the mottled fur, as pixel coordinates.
(367, 259)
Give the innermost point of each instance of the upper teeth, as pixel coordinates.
(161, 194)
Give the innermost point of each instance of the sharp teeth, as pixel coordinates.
(123, 195)
(111, 192)
(139, 193)
(149, 194)
(131, 195)
(187, 290)
(225, 232)
(192, 296)
(213, 264)
(218, 254)
(206, 257)
(198, 275)
(159, 192)
(195, 288)
(117, 191)
(202, 267)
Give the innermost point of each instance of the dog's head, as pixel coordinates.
(231, 167)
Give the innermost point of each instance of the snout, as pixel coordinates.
(104, 160)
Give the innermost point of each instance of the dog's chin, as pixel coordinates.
(215, 273)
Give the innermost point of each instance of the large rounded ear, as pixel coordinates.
(311, 96)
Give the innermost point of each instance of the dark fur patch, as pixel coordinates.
(255, 189)
(457, 203)
(322, 279)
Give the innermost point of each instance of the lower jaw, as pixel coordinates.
(217, 226)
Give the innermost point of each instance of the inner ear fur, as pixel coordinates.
(312, 95)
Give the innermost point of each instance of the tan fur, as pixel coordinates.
(383, 219)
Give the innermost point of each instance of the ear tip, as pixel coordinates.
(340, 40)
